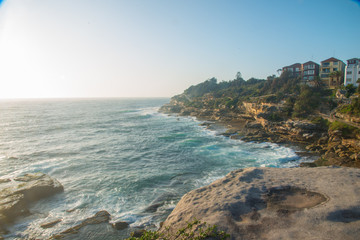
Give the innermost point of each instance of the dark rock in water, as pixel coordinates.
(120, 225)
(50, 224)
(70, 210)
(153, 207)
(100, 217)
(15, 199)
(4, 180)
(160, 201)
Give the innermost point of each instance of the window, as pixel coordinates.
(326, 70)
(334, 69)
(324, 75)
(335, 63)
(349, 72)
(348, 80)
(311, 72)
(311, 78)
(326, 64)
(297, 69)
(312, 66)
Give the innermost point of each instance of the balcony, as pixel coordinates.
(324, 75)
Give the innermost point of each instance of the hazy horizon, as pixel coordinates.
(112, 49)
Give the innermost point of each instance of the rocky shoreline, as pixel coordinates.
(250, 123)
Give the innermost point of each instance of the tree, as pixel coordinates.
(350, 90)
(238, 76)
(306, 103)
(317, 82)
(336, 78)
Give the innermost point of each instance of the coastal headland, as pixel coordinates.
(280, 110)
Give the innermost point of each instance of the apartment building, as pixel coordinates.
(352, 72)
(332, 72)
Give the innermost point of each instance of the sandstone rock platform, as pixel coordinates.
(274, 203)
(16, 195)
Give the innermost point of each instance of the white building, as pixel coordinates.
(352, 71)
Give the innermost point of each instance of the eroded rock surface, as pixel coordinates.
(16, 195)
(273, 203)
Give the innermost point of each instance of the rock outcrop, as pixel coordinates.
(17, 194)
(272, 203)
(100, 217)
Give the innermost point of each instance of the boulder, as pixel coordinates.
(120, 225)
(273, 203)
(16, 197)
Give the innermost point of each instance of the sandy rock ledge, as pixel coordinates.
(18, 193)
(274, 203)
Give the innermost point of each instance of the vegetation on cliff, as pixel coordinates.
(299, 100)
(280, 109)
(352, 109)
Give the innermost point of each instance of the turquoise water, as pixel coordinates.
(118, 155)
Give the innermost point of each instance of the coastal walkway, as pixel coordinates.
(333, 119)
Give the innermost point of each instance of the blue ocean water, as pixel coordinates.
(118, 155)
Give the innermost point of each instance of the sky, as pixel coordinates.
(158, 48)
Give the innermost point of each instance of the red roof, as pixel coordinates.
(332, 59)
(294, 65)
(310, 62)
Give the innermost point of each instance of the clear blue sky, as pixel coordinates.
(142, 48)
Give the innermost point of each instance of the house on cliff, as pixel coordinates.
(332, 72)
(310, 72)
(294, 70)
(352, 72)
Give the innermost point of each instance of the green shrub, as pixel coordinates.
(321, 123)
(353, 108)
(347, 130)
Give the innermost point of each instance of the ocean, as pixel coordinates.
(118, 155)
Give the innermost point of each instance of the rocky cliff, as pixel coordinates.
(262, 121)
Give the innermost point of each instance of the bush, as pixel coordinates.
(321, 123)
(353, 108)
(347, 130)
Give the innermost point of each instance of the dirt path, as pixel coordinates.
(332, 119)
